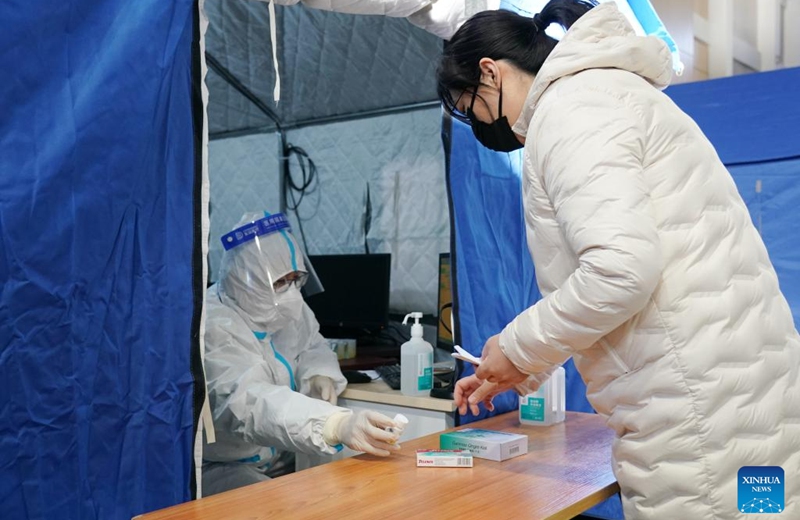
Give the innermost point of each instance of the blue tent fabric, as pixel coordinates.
(749, 119)
(99, 251)
(488, 225)
(771, 191)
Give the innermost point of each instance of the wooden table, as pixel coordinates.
(566, 471)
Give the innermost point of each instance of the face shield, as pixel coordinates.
(262, 272)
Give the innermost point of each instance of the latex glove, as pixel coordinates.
(362, 431)
(323, 387)
(496, 368)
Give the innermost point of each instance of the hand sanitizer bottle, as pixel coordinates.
(546, 405)
(416, 361)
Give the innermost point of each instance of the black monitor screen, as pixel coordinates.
(356, 290)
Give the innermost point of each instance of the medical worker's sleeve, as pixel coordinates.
(588, 154)
(246, 403)
(439, 17)
(317, 358)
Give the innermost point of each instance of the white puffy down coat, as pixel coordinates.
(654, 280)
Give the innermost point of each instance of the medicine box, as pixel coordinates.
(444, 459)
(485, 444)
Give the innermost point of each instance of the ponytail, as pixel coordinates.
(501, 35)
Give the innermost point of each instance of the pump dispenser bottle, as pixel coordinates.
(416, 361)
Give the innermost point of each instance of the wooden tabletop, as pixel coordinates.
(566, 471)
(379, 392)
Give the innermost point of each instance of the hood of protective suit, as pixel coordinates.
(248, 271)
(600, 39)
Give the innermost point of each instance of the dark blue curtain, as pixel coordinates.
(99, 256)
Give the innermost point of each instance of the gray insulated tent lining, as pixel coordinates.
(331, 64)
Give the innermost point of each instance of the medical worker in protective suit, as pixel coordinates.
(273, 381)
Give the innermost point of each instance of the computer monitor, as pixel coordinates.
(444, 335)
(356, 295)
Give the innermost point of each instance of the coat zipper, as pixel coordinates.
(614, 356)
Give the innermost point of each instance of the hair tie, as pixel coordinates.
(538, 21)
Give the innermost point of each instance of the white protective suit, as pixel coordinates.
(260, 348)
(439, 17)
(654, 280)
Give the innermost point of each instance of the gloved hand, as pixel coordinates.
(323, 387)
(362, 431)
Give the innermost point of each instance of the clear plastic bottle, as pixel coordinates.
(547, 405)
(416, 361)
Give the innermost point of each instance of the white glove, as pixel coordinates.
(323, 387)
(362, 431)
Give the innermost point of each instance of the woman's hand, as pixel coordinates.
(496, 368)
(464, 389)
(471, 391)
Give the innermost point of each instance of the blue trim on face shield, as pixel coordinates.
(288, 242)
(265, 226)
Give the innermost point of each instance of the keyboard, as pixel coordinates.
(390, 374)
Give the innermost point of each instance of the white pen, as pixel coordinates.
(463, 355)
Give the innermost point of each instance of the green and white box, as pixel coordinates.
(485, 444)
(444, 459)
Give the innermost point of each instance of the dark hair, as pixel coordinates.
(501, 35)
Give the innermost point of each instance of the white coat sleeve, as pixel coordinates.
(317, 359)
(439, 17)
(245, 402)
(588, 151)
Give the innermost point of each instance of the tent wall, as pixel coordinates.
(398, 156)
(243, 174)
(100, 257)
(331, 64)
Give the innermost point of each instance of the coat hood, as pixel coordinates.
(600, 39)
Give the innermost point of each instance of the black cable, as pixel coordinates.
(386, 336)
(397, 329)
(308, 172)
(367, 221)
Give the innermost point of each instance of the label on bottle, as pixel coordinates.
(425, 372)
(532, 410)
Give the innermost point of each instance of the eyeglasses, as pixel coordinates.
(458, 114)
(298, 278)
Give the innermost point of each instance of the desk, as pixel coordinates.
(566, 471)
(379, 392)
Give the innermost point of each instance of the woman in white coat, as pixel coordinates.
(655, 280)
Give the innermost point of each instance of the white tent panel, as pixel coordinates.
(398, 156)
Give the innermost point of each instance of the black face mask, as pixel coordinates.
(496, 135)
